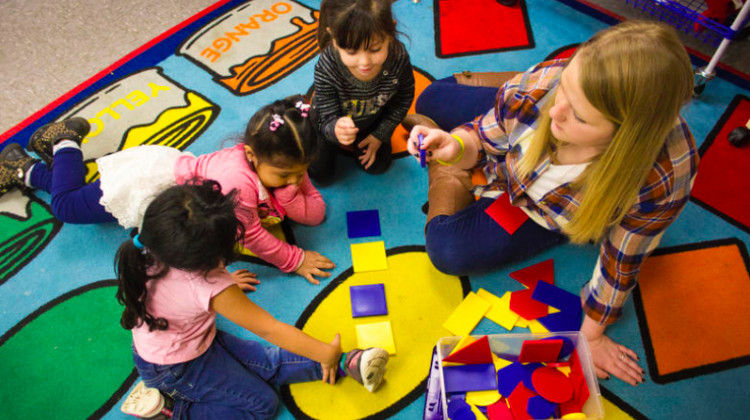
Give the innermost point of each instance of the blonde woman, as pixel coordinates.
(591, 149)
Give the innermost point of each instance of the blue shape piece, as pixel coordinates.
(558, 298)
(363, 223)
(422, 152)
(368, 300)
(539, 408)
(458, 409)
(509, 377)
(560, 321)
(507, 356)
(567, 347)
(466, 378)
(529, 368)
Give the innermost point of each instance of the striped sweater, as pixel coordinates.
(377, 106)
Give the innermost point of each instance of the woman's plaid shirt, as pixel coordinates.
(626, 245)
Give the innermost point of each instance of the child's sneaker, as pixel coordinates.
(14, 163)
(46, 136)
(366, 366)
(148, 403)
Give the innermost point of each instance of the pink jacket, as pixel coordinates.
(258, 206)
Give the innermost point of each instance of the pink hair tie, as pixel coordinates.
(303, 108)
(277, 121)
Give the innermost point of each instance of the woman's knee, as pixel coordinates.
(445, 254)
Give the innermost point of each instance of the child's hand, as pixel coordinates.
(331, 367)
(345, 130)
(438, 143)
(245, 279)
(369, 146)
(313, 265)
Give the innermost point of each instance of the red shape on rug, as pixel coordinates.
(508, 216)
(541, 351)
(478, 352)
(552, 384)
(471, 27)
(523, 304)
(528, 276)
(722, 183)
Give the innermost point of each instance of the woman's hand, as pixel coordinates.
(439, 144)
(331, 366)
(313, 265)
(345, 131)
(369, 146)
(245, 280)
(610, 357)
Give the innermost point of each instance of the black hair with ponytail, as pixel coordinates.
(292, 142)
(189, 227)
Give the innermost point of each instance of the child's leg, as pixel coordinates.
(451, 104)
(323, 167)
(471, 242)
(74, 201)
(233, 379)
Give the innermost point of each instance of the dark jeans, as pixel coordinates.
(471, 242)
(233, 379)
(450, 104)
(73, 200)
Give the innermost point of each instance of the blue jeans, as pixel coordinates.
(73, 200)
(450, 104)
(233, 379)
(471, 242)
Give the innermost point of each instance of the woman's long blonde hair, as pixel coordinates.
(638, 75)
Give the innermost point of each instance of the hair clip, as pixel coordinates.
(277, 121)
(303, 108)
(137, 242)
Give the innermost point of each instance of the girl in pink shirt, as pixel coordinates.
(269, 171)
(172, 280)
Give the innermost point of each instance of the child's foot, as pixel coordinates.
(366, 366)
(148, 403)
(14, 163)
(46, 136)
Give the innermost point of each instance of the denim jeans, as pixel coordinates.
(73, 200)
(471, 242)
(233, 379)
(450, 104)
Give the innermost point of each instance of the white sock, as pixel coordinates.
(27, 176)
(62, 144)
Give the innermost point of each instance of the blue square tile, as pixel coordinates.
(360, 224)
(368, 300)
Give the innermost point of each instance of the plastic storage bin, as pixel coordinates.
(510, 344)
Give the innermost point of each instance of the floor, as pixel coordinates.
(64, 42)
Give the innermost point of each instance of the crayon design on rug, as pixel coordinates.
(255, 44)
(143, 108)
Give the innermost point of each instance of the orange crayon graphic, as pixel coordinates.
(255, 45)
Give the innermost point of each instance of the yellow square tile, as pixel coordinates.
(376, 334)
(499, 312)
(536, 327)
(467, 315)
(369, 256)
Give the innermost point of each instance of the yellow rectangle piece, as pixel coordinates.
(376, 334)
(499, 312)
(467, 315)
(369, 256)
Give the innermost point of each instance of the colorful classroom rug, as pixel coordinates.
(62, 350)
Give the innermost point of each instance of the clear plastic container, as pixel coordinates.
(510, 344)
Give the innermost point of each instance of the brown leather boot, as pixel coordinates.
(410, 120)
(449, 190)
(484, 78)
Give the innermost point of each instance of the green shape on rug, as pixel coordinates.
(69, 360)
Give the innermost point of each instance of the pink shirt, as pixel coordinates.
(258, 206)
(183, 299)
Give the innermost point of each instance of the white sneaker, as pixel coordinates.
(367, 366)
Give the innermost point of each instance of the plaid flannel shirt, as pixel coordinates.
(626, 245)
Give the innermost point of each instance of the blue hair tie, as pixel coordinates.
(137, 242)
